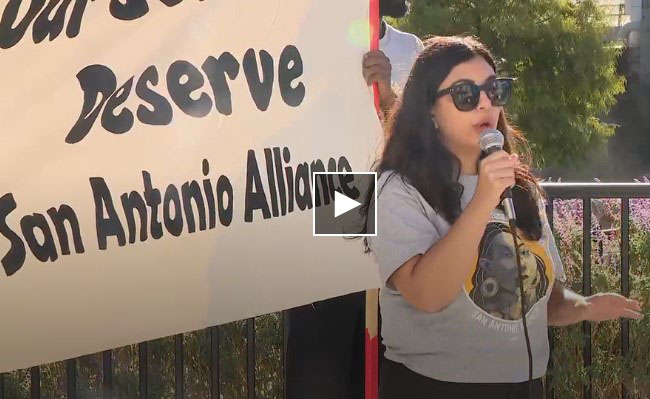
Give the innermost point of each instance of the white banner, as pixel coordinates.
(156, 157)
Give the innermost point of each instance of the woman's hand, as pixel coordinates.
(496, 174)
(566, 307)
(610, 306)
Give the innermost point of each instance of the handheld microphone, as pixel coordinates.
(492, 141)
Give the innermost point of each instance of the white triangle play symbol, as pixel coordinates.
(343, 204)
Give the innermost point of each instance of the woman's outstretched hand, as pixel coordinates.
(610, 306)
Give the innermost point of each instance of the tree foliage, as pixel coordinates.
(565, 70)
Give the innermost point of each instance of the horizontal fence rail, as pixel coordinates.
(596, 190)
(555, 191)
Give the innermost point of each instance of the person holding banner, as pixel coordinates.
(325, 348)
(390, 66)
(451, 302)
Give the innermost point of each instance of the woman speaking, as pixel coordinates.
(458, 286)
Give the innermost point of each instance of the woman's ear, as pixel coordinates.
(435, 123)
(433, 119)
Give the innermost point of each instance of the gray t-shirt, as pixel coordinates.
(479, 337)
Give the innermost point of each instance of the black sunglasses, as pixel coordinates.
(466, 95)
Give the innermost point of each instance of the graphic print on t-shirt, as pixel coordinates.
(494, 284)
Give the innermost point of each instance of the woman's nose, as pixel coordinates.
(484, 101)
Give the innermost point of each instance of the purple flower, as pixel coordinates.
(640, 213)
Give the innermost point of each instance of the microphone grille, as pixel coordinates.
(491, 138)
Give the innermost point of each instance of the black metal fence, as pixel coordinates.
(108, 386)
(586, 192)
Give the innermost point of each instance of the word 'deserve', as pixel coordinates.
(186, 87)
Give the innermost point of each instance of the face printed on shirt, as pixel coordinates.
(494, 285)
(393, 8)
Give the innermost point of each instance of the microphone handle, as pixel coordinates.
(509, 208)
(507, 193)
(506, 196)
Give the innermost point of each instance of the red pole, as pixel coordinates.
(372, 344)
(372, 296)
(374, 41)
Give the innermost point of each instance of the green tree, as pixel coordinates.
(556, 49)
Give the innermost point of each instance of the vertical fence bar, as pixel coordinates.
(2, 385)
(107, 365)
(71, 369)
(178, 365)
(285, 343)
(550, 205)
(625, 280)
(215, 389)
(586, 288)
(35, 382)
(550, 392)
(250, 363)
(142, 370)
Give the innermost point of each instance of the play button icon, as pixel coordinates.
(338, 204)
(343, 204)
